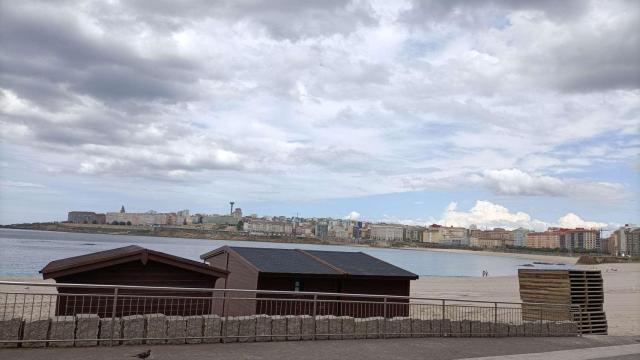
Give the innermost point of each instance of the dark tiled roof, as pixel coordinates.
(295, 261)
(283, 261)
(359, 263)
(111, 257)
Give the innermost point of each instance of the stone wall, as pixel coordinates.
(89, 330)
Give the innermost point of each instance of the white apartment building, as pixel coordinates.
(387, 232)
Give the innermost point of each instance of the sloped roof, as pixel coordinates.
(101, 259)
(315, 262)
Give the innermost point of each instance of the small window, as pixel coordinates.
(297, 285)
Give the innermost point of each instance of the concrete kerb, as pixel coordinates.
(176, 329)
(155, 327)
(247, 329)
(87, 326)
(10, 330)
(62, 328)
(35, 330)
(195, 327)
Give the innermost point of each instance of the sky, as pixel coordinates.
(495, 113)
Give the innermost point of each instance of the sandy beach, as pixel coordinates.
(622, 292)
(621, 302)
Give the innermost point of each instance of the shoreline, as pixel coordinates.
(215, 235)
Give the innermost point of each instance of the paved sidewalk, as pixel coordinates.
(404, 349)
(607, 352)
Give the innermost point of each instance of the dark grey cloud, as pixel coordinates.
(472, 13)
(282, 19)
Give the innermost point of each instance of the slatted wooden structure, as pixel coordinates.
(583, 288)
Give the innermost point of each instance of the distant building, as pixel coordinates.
(387, 232)
(520, 237)
(495, 238)
(220, 220)
(237, 213)
(579, 239)
(452, 236)
(413, 233)
(543, 240)
(151, 217)
(86, 217)
(267, 227)
(624, 241)
(321, 231)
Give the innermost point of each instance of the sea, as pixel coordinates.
(24, 252)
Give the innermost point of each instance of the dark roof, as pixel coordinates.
(359, 263)
(101, 259)
(283, 261)
(316, 262)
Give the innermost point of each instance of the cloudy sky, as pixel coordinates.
(495, 113)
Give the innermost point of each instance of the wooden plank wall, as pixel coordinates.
(570, 287)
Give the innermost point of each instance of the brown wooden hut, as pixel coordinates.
(137, 266)
(309, 271)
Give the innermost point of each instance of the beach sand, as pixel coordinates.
(621, 299)
(622, 292)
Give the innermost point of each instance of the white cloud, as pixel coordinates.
(490, 215)
(572, 220)
(354, 215)
(519, 183)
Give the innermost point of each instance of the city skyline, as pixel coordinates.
(496, 113)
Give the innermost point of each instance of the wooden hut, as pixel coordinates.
(132, 265)
(309, 271)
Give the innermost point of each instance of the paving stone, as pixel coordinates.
(360, 326)
(502, 330)
(278, 328)
(156, 327)
(486, 329)
(105, 331)
(544, 329)
(263, 328)
(307, 327)
(446, 327)
(195, 326)
(87, 328)
(335, 327)
(231, 329)
(322, 327)
(132, 327)
(176, 329)
(349, 327)
(294, 327)
(375, 327)
(465, 328)
(35, 330)
(436, 327)
(62, 328)
(212, 330)
(476, 328)
(456, 329)
(405, 326)
(247, 329)
(392, 328)
(10, 330)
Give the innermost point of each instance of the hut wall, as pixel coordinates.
(73, 301)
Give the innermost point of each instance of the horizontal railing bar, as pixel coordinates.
(279, 292)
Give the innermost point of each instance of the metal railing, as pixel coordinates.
(110, 306)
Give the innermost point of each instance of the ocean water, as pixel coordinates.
(25, 252)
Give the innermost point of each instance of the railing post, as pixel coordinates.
(495, 318)
(443, 316)
(315, 312)
(113, 315)
(384, 312)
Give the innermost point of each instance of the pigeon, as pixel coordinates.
(143, 355)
